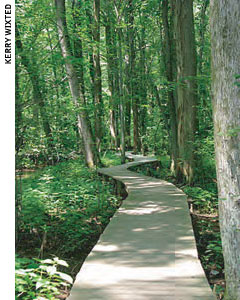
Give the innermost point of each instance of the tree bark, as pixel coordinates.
(121, 98)
(97, 74)
(186, 87)
(172, 102)
(225, 38)
(84, 126)
(77, 46)
(142, 88)
(109, 32)
(134, 94)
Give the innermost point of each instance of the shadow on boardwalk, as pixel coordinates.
(148, 250)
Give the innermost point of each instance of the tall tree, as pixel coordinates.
(83, 122)
(186, 87)
(97, 83)
(169, 72)
(120, 83)
(77, 44)
(225, 38)
(110, 46)
(133, 81)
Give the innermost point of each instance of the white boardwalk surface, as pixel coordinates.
(148, 250)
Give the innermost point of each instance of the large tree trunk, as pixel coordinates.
(84, 126)
(169, 72)
(225, 16)
(186, 89)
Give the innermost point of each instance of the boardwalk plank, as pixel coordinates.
(148, 250)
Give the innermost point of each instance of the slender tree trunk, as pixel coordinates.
(128, 77)
(97, 74)
(225, 34)
(169, 59)
(116, 69)
(90, 50)
(186, 89)
(121, 98)
(78, 47)
(109, 31)
(84, 125)
(142, 88)
(54, 65)
(134, 95)
(128, 106)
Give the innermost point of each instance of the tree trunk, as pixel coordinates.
(134, 94)
(121, 98)
(84, 126)
(143, 88)
(77, 46)
(97, 74)
(169, 59)
(186, 89)
(109, 32)
(225, 34)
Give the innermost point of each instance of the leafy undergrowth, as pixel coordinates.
(110, 159)
(203, 204)
(62, 210)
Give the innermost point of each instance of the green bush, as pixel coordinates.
(204, 199)
(40, 279)
(67, 197)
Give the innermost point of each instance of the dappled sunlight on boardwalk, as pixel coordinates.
(148, 250)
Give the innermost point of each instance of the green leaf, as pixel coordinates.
(65, 277)
(51, 270)
(40, 284)
(47, 261)
(61, 262)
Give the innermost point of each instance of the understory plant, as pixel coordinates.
(40, 279)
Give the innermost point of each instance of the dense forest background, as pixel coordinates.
(124, 64)
(98, 77)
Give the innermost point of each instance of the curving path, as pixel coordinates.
(148, 249)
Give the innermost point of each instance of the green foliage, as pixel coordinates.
(40, 279)
(210, 245)
(203, 199)
(110, 159)
(64, 198)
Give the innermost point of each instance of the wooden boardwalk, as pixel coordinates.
(148, 249)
